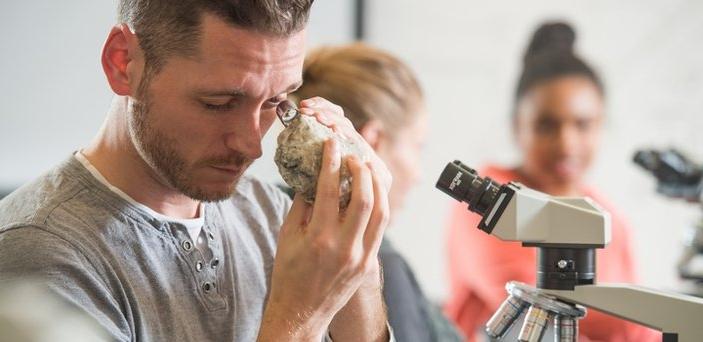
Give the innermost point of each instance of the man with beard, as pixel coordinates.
(152, 229)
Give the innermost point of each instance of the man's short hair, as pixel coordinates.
(166, 27)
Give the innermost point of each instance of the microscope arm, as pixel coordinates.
(673, 314)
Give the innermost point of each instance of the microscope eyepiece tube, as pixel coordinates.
(669, 166)
(534, 325)
(505, 316)
(566, 329)
(464, 184)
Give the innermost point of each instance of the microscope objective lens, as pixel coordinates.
(503, 319)
(565, 329)
(535, 324)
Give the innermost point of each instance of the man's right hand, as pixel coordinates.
(323, 254)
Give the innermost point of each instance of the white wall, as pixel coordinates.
(467, 54)
(53, 96)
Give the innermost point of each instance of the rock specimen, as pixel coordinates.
(299, 154)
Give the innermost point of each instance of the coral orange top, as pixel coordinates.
(480, 265)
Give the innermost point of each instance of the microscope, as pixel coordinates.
(679, 177)
(566, 232)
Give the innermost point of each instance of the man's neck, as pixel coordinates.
(113, 154)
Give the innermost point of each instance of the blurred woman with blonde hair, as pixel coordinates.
(383, 99)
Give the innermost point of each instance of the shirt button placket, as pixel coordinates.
(187, 245)
(208, 287)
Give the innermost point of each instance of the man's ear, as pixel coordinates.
(119, 58)
(373, 132)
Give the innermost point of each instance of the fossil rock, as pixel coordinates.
(299, 156)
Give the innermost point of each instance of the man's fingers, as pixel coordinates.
(327, 113)
(362, 200)
(323, 105)
(299, 211)
(337, 123)
(380, 215)
(327, 196)
(379, 168)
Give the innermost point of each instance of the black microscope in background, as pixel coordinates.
(679, 177)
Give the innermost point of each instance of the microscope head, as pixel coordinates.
(677, 176)
(565, 230)
(513, 212)
(669, 166)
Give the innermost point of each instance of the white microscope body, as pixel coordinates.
(566, 232)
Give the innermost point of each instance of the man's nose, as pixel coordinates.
(245, 134)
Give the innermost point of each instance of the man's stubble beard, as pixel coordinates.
(158, 152)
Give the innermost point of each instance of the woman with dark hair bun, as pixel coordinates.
(557, 122)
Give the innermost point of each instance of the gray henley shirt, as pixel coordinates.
(139, 278)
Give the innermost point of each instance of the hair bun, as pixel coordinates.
(549, 38)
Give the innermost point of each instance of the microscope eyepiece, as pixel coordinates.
(465, 185)
(677, 176)
(484, 196)
(669, 166)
